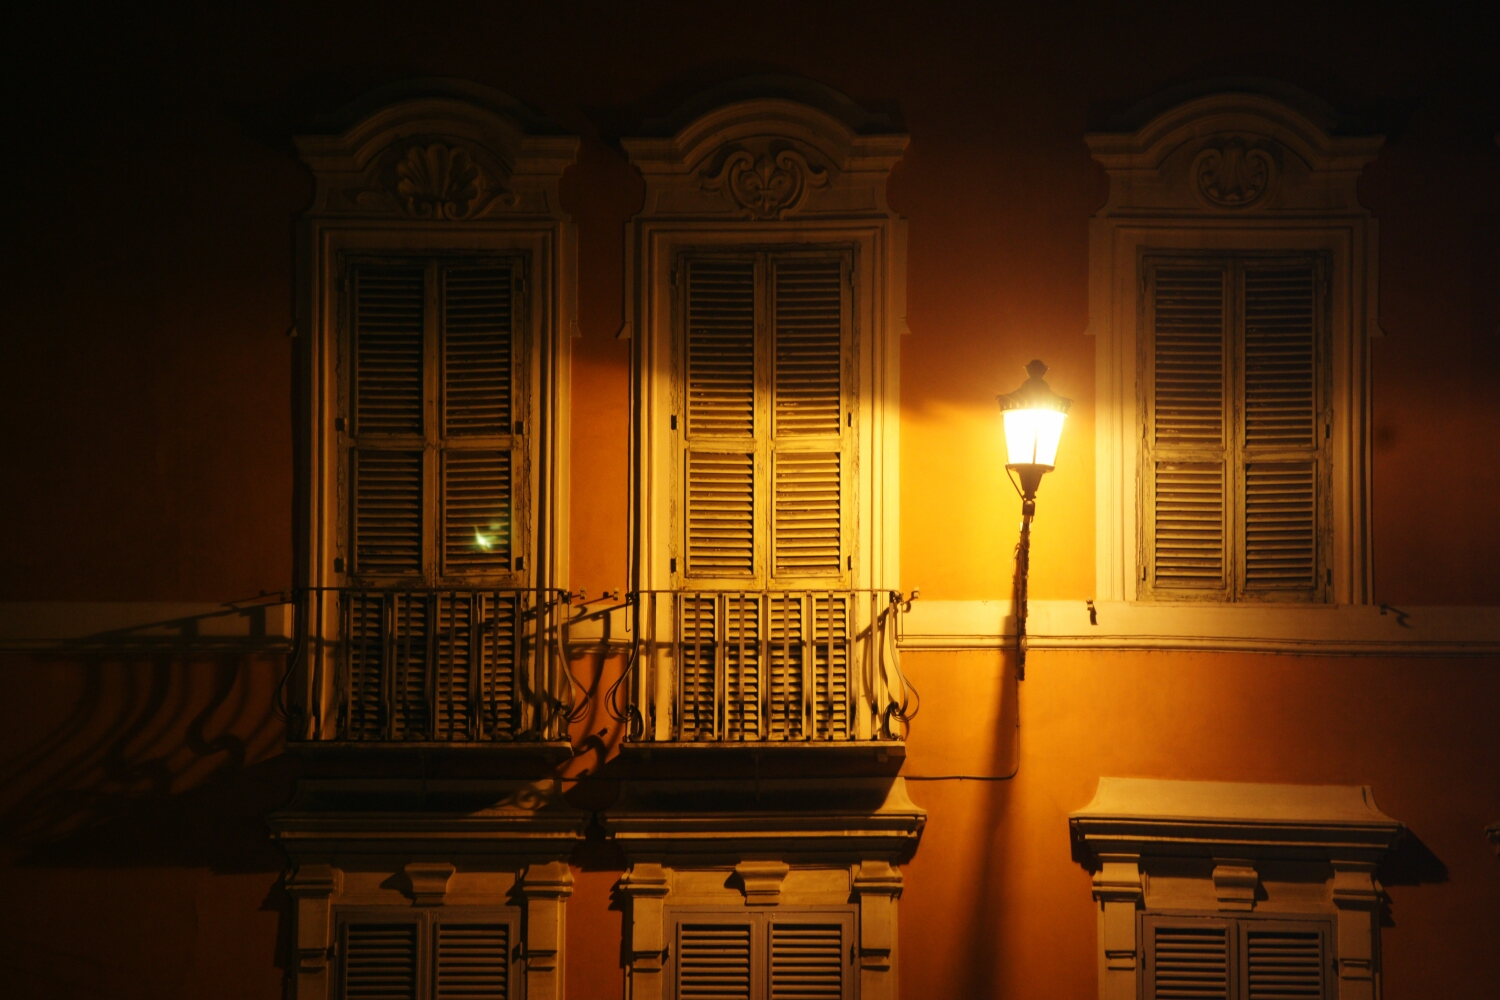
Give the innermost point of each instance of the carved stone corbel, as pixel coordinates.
(1235, 883)
(544, 889)
(878, 886)
(646, 886)
(429, 882)
(1357, 895)
(1118, 888)
(761, 881)
(312, 888)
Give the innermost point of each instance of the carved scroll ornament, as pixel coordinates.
(766, 186)
(1234, 174)
(442, 182)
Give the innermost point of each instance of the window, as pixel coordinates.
(766, 301)
(1236, 958)
(1235, 464)
(434, 338)
(734, 955)
(428, 955)
(1233, 294)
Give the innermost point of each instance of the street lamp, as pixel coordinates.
(1033, 417)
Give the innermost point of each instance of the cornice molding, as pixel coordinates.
(344, 817)
(1134, 817)
(702, 822)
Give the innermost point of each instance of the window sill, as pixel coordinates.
(1124, 625)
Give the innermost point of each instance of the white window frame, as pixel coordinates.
(1162, 199)
(823, 187)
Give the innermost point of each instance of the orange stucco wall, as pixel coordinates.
(147, 399)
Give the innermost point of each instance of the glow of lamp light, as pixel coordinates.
(1031, 436)
(483, 541)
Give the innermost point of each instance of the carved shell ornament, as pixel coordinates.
(439, 182)
(766, 186)
(1234, 174)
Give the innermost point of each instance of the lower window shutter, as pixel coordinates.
(742, 646)
(387, 653)
(1187, 960)
(830, 658)
(387, 512)
(472, 961)
(476, 511)
(807, 961)
(697, 678)
(380, 961)
(1185, 438)
(1284, 962)
(713, 961)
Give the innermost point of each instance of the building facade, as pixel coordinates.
(511, 504)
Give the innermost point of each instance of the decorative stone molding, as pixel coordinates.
(437, 151)
(545, 888)
(429, 882)
(761, 881)
(878, 886)
(1358, 898)
(801, 820)
(646, 886)
(312, 888)
(1232, 172)
(1221, 847)
(768, 184)
(368, 844)
(1118, 891)
(1235, 883)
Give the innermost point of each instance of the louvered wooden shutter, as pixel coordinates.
(1285, 961)
(472, 961)
(807, 961)
(1236, 474)
(388, 319)
(1187, 470)
(1284, 430)
(380, 961)
(477, 349)
(714, 961)
(720, 405)
(808, 419)
(767, 419)
(388, 653)
(1187, 959)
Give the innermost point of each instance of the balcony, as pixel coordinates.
(415, 667)
(477, 667)
(763, 668)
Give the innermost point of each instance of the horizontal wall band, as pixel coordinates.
(1122, 625)
(929, 626)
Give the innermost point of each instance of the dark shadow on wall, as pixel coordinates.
(151, 746)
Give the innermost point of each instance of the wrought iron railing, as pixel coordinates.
(782, 666)
(444, 665)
